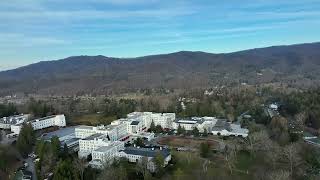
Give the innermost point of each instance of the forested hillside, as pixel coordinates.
(296, 65)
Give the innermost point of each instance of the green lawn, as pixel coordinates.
(244, 160)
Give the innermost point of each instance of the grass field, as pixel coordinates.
(193, 166)
(176, 141)
(92, 119)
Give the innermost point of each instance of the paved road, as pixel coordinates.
(31, 167)
(6, 140)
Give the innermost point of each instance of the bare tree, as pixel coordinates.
(291, 156)
(80, 164)
(279, 175)
(273, 154)
(258, 141)
(230, 157)
(114, 173)
(142, 167)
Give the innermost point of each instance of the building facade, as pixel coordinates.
(105, 155)
(136, 155)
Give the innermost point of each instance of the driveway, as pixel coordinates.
(31, 167)
(5, 140)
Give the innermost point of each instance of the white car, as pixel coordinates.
(36, 160)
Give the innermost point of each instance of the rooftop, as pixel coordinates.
(193, 120)
(147, 152)
(92, 137)
(135, 122)
(221, 124)
(44, 118)
(107, 148)
(68, 131)
(85, 127)
(14, 119)
(70, 141)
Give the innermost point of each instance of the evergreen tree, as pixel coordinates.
(205, 132)
(64, 171)
(158, 129)
(204, 150)
(159, 163)
(195, 131)
(183, 130)
(179, 130)
(26, 139)
(55, 146)
(152, 126)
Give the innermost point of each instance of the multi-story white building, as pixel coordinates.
(42, 123)
(106, 154)
(6, 122)
(134, 154)
(201, 123)
(165, 120)
(116, 130)
(93, 142)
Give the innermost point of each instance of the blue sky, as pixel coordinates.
(37, 30)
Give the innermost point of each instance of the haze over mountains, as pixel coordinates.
(295, 65)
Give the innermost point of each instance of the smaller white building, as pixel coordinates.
(93, 142)
(201, 123)
(42, 123)
(136, 154)
(116, 130)
(274, 106)
(7, 122)
(224, 128)
(105, 155)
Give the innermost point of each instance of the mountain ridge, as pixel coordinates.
(290, 64)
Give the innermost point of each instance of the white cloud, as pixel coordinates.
(11, 40)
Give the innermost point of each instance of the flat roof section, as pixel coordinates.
(59, 133)
(147, 152)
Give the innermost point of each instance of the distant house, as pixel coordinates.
(274, 106)
(311, 139)
(224, 128)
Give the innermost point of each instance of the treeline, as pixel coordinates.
(120, 108)
(222, 103)
(307, 102)
(7, 110)
(40, 108)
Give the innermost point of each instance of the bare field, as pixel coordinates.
(92, 119)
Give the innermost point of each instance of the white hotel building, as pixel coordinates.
(42, 123)
(93, 142)
(106, 154)
(99, 141)
(201, 123)
(107, 142)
